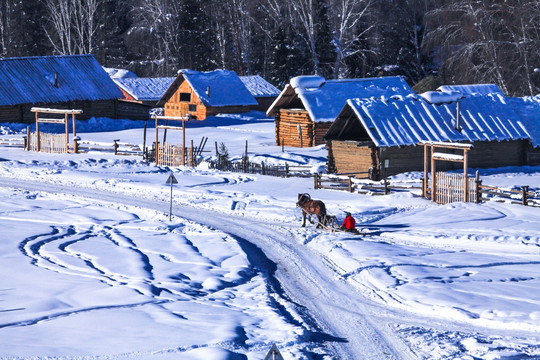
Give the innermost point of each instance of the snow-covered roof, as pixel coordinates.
(214, 88)
(145, 89)
(324, 99)
(401, 121)
(528, 110)
(52, 79)
(441, 97)
(474, 89)
(119, 73)
(259, 87)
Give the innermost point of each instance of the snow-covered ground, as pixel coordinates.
(92, 267)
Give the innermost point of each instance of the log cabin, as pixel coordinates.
(306, 108)
(379, 137)
(64, 82)
(264, 92)
(144, 90)
(203, 94)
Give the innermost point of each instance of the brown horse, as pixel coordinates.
(313, 208)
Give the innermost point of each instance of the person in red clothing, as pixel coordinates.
(348, 224)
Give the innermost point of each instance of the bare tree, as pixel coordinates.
(487, 41)
(5, 25)
(73, 25)
(347, 16)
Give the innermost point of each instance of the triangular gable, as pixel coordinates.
(52, 79)
(259, 87)
(145, 89)
(324, 99)
(474, 89)
(407, 121)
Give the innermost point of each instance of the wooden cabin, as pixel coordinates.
(307, 107)
(263, 92)
(204, 94)
(144, 90)
(64, 82)
(378, 137)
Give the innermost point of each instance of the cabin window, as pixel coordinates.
(185, 97)
(192, 107)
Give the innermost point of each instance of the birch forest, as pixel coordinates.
(430, 42)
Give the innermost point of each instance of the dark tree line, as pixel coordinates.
(456, 41)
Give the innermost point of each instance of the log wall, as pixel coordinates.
(287, 134)
(114, 109)
(354, 156)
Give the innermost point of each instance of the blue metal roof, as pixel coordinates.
(149, 89)
(401, 121)
(259, 87)
(473, 89)
(218, 88)
(31, 80)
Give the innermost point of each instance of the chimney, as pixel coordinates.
(458, 117)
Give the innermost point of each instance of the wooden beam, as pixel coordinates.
(55, 111)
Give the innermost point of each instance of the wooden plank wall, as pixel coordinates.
(533, 155)
(132, 110)
(175, 107)
(491, 154)
(320, 129)
(10, 114)
(348, 157)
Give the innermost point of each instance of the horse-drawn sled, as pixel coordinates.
(316, 209)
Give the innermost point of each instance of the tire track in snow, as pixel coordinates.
(336, 318)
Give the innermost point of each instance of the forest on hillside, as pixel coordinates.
(430, 42)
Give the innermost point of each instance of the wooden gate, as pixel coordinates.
(447, 187)
(170, 155)
(51, 143)
(450, 188)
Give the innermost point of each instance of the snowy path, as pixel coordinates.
(305, 287)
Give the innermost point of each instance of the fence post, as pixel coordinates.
(386, 188)
(315, 181)
(116, 146)
(478, 191)
(524, 195)
(350, 184)
(27, 141)
(286, 169)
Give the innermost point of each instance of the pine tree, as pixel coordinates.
(323, 39)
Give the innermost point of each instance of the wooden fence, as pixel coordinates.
(51, 143)
(514, 196)
(333, 182)
(262, 168)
